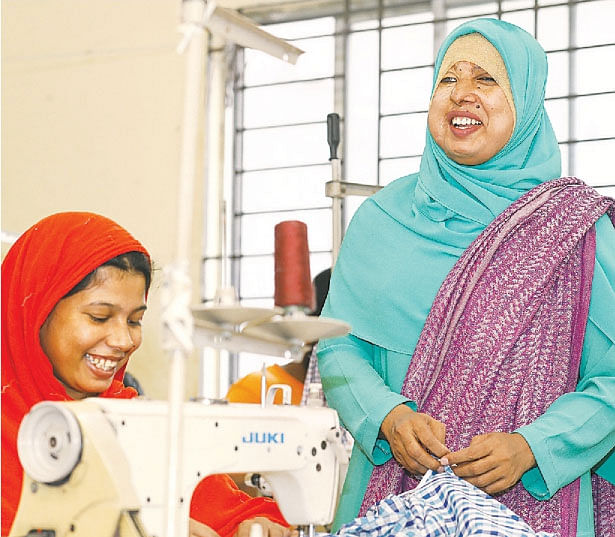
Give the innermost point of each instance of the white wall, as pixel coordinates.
(92, 97)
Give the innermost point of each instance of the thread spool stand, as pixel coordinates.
(294, 293)
(220, 326)
(285, 330)
(297, 327)
(226, 311)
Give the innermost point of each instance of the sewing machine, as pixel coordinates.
(99, 466)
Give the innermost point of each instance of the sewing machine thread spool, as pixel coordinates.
(293, 284)
(294, 293)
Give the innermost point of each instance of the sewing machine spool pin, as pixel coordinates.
(286, 393)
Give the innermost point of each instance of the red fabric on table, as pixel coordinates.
(219, 504)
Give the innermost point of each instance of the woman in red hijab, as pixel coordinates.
(74, 289)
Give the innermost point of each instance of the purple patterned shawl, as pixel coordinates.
(504, 338)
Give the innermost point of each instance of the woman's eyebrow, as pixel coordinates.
(114, 306)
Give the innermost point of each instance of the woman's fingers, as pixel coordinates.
(493, 482)
(439, 430)
(475, 468)
(498, 486)
(414, 457)
(493, 462)
(425, 435)
(472, 461)
(477, 450)
(261, 527)
(198, 529)
(487, 480)
(416, 439)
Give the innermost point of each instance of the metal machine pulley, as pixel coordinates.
(49, 443)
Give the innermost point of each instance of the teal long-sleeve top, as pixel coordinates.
(576, 435)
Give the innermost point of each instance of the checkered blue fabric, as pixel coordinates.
(442, 505)
(312, 376)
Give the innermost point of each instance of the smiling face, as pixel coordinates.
(469, 116)
(91, 334)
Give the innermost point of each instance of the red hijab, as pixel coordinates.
(45, 263)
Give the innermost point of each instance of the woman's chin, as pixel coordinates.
(467, 158)
(91, 385)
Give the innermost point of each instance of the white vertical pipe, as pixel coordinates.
(193, 12)
(572, 77)
(178, 315)
(341, 55)
(336, 206)
(214, 167)
(438, 7)
(333, 139)
(214, 195)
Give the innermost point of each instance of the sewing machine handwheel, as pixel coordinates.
(49, 443)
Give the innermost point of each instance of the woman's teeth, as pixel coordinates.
(101, 363)
(464, 122)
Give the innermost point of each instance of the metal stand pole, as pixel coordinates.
(214, 194)
(338, 189)
(176, 292)
(333, 138)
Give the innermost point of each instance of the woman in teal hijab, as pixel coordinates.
(490, 78)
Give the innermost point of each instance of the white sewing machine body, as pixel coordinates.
(118, 467)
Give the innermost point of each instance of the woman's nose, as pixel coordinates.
(120, 338)
(464, 91)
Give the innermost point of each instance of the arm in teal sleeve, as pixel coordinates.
(578, 430)
(359, 394)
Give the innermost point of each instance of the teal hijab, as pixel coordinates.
(403, 241)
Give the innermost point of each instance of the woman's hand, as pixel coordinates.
(197, 529)
(493, 462)
(415, 439)
(269, 528)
